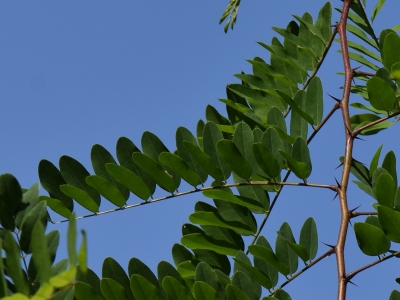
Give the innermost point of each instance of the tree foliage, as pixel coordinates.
(240, 162)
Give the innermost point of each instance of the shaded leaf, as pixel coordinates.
(371, 240)
(142, 289)
(390, 221)
(235, 160)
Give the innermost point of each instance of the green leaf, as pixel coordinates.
(263, 266)
(179, 166)
(234, 159)
(380, 94)
(165, 269)
(3, 282)
(283, 251)
(40, 252)
(365, 188)
(211, 136)
(57, 206)
(202, 241)
(255, 273)
(243, 139)
(142, 289)
(324, 23)
(395, 295)
(295, 107)
(100, 157)
(397, 200)
(106, 189)
(13, 264)
(377, 8)
(89, 278)
(155, 170)
(82, 254)
(385, 190)
(309, 238)
(128, 178)
(268, 256)
(362, 60)
(371, 240)
(71, 241)
(255, 192)
(205, 273)
(244, 284)
(282, 295)
(314, 104)
(224, 234)
(212, 115)
(183, 134)
(82, 197)
(390, 54)
(360, 34)
(205, 161)
(299, 162)
(137, 267)
(74, 174)
(113, 270)
(266, 160)
(240, 200)
(375, 160)
(51, 180)
(298, 125)
(180, 254)
(37, 214)
(10, 200)
(125, 149)
(84, 291)
(390, 221)
(273, 142)
(175, 290)
(209, 218)
(112, 290)
(363, 50)
(204, 291)
(389, 164)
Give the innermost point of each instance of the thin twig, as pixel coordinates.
(326, 254)
(354, 273)
(358, 131)
(229, 185)
(363, 213)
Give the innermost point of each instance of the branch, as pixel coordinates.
(358, 131)
(326, 254)
(354, 273)
(315, 185)
(363, 213)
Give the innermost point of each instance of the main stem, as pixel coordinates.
(344, 106)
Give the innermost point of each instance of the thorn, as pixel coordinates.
(358, 138)
(337, 194)
(352, 283)
(355, 69)
(338, 184)
(333, 247)
(334, 98)
(354, 209)
(350, 224)
(341, 164)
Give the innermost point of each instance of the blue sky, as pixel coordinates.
(78, 73)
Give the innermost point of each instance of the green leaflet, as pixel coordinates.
(183, 134)
(57, 206)
(82, 254)
(175, 290)
(380, 94)
(113, 270)
(210, 218)
(212, 115)
(155, 170)
(84, 291)
(137, 267)
(205, 161)
(40, 253)
(266, 160)
(268, 256)
(390, 221)
(180, 254)
(397, 200)
(202, 241)
(211, 136)
(205, 273)
(178, 165)
(125, 149)
(243, 138)
(112, 290)
(235, 293)
(224, 234)
(309, 238)
(106, 189)
(360, 34)
(142, 289)
(255, 273)
(323, 22)
(243, 283)
(203, 291)
(199, 132)
(80, 196)
(100, 157)
(295, 107)
(10, 199)
(395, 295)
(389, 164)
(371, 240)
(128, 178)
(298, 125)
(363, 50)
(13, 263)
(186, 269)
(299, 162)
(51, 180)
(385, 190)
(314, 103)
(234, 159)
(374, 162)
(74, 174)
(263, 266)
(284, 252)
(254, 285)
(165, 269)
(239, 200)
(390, 53)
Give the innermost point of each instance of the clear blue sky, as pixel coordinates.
(77, 73)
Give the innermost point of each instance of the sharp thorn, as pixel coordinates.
(354, 209)
(333, 247)
(339, 166)
(337, 194)
(338, 184)
(334, 98)
(352, 283)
